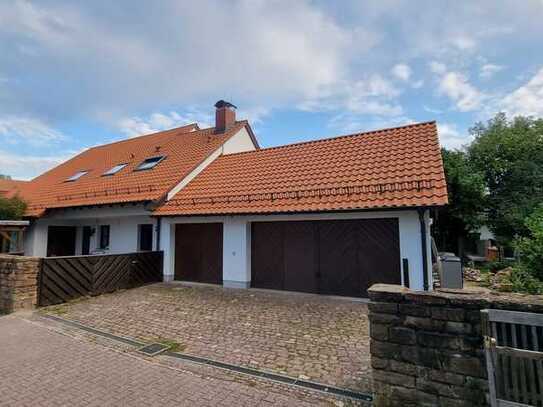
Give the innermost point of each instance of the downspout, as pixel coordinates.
(158, 228)
(424, 246)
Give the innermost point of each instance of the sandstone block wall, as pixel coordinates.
(18, 283)
(427, 347)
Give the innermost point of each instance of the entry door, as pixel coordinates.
(61, 241)
(198, 252)
(85, 243)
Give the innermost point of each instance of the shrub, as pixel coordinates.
(523, 281)
(530, 248)
(12, 208)
(497, 265)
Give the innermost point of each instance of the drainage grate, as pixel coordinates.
(153, 349)
(336, 391)
(160, 348)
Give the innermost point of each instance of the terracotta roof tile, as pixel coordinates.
(184, 148)
(398, 167)
(10, 187)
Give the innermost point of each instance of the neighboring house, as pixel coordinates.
(11, 231)
(329, 216)
(10, 187)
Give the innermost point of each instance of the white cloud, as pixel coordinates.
(401, 71)
(463, 42)
(137, 126)
(432, 110)
(373, 95)
(248, 51)
(450, 137)
(526, 100)
(438, 67)
(488, 70)
(347, 123)
(15, 130)
(456, 87)
(26, 167)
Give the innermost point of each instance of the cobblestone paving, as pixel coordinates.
(307, 336)
(42, 366)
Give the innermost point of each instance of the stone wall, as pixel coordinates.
(18, 283)
(427, 347)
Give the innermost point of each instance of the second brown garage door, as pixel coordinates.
(198, 252)
(337, 257)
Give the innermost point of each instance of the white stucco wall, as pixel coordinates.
(239, 143)
(123, 223)
(236, 241)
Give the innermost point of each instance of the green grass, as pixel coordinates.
(171, 344)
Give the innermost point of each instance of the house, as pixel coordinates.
(9, 187)
(328, 216)
(11, 232)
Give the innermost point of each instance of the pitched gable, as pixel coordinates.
(182, 150)
(391, 168)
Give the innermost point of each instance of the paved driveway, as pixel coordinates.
(307, 336)
(43, 365)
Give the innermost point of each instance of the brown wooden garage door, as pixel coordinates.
(337, 257)
(198, 252)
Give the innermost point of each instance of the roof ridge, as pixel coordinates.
(145, 135)
(364, 133)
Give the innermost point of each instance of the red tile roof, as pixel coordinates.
(184, 148)
(391, 168)
(10, 187)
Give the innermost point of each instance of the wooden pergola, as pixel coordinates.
(11, 236)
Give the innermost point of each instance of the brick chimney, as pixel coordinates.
(225, 115)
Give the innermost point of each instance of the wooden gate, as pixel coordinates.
(514, 357)
(64, 278)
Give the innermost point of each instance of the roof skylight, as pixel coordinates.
(149, 163)
(77, 175)
(115, 169)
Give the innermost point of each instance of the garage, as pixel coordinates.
(333, 257)
(198, 252)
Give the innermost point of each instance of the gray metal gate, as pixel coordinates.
(514, 357)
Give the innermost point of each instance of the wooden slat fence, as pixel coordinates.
(64, 278)
(514, 357)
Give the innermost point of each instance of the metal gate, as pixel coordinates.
(514, 357)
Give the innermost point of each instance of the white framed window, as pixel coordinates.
(149, 163)
(114, 170)
(145, 237)
(77, 175)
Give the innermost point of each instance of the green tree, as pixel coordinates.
(2, 176)
(530, 248)
(509, 153)
(464, 215)
(12, 208)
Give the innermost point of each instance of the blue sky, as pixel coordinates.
(74, 74)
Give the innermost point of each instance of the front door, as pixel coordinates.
(85, 244)
(61, 241)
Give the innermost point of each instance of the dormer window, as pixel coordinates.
(76, 176)
(114, 170)
(149, 163)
